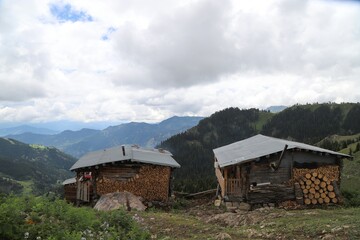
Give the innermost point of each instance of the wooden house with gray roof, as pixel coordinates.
(262, 169)
(143, 172)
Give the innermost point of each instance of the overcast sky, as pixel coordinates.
(142, 60)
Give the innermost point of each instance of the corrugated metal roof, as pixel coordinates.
(133, 153)
(69, 181)
(259, 146)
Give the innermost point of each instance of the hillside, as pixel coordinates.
(305, 123)
(31, 168)
(77, 143)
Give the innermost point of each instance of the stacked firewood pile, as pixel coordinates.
(319, 186)
(151, 183)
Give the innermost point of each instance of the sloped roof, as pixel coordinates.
(133, 153)
(259, 146)
(69, 181)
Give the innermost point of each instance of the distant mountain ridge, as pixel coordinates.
(24, 129)
(77, 143)
(276, 109)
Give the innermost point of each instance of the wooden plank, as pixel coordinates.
(221, 180)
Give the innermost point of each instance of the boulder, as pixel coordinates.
(116, 200)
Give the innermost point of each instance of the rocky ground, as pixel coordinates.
(202, 220)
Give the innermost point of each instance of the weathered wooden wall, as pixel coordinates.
(70, 192)
(148, 181)
(278, 185)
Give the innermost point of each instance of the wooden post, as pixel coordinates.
(225, 180)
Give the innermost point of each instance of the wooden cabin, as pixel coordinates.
(143, 172)
(261, 170)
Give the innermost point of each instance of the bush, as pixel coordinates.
(41, 218)
(352, 198)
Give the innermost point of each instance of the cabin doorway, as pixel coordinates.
(234, 182)
(83, 191)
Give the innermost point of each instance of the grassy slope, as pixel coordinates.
(264, 117)
(335, 223)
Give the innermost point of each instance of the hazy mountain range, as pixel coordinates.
(77, 143)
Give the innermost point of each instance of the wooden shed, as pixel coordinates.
(143, 172)
(70, 190)
(261, 170)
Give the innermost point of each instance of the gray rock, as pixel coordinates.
(116, 200)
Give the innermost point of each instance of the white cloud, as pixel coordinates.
(148, 60)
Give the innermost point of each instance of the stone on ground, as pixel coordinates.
(116, 200)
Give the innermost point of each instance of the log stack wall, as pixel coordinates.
(70, 192)
(148, 181)
(319, 185)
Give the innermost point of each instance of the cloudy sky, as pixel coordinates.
(141, 60)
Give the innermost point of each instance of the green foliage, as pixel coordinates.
(32, 217)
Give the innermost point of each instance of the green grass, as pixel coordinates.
(28, 187)
(264, 117)
(37, 146)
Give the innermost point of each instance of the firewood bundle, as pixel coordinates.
(318, 185)
(151, 183)
(317, 189)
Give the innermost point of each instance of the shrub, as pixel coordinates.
(39, 217)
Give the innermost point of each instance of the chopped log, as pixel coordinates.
(323, 184)
(323, 195)
(313, 179)
(327, 200)
(314, 201)
(320, 201)
(311, 196)
(308, 187)
(331, 195)
(312, 190)
(307, 201)
(330, 188)
(308, 182)
(308, 175)
(317, 181)
(320, 176)
(317, 195)
(317, 188)
(305, 191)
(312, 185)
(314, 174)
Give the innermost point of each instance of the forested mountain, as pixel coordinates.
(313, 122)
(193, 148)
(77, 143)
(32, 168)
(305, 123)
